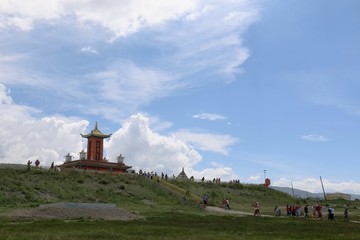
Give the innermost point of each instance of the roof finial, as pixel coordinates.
(96, 125)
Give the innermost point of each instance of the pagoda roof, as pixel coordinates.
(95, 133)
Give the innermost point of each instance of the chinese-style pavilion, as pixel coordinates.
(93, 158)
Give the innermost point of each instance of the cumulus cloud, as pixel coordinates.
(120, 17)
(148, 150)
(23, 137)
(206, 141)
(22, 15)
(315, 138)
(224, 173)
(209, 116)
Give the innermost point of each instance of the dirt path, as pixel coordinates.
(74, 211)
(224, 211)
(242, 213)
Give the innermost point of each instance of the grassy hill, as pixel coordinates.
(22, 188)
(171, 209)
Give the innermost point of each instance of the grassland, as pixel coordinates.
(166, 214)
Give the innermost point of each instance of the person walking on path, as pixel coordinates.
(306, 211)
(226, 204)
(257, 209)
(346, 212)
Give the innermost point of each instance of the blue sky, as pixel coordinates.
(222, 88)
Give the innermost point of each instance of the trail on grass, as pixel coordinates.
(225, 211)
(242, 213)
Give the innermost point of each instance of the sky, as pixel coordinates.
(233, 89)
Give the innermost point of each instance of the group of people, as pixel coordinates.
(37, 164)
(296, 211)
(291, 210)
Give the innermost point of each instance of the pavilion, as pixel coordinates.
(93, 159)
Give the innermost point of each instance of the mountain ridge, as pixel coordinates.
(305, 194)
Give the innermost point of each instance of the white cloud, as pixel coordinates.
(211, 42)
(127, 17)
(254, 178)
(89, 49)
(120, 17)
(206, 141)
(224, 173)
(121, 81)
(209, 116)
(315, 138)
(127, 83)
(23, 14)
(313, 185)
(147, 150)
(24, 137)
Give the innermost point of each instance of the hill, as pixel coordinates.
(22, 188)
(100, 205)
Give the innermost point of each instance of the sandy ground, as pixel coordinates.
(74, 211)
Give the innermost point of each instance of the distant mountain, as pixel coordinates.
(304, 194)
(298, 193)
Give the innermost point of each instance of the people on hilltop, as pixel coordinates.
(52, 167)
(37, 163)
(29, 165)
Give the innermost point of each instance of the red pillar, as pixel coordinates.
(95, 149)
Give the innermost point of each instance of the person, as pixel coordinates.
(277, 211)
(257, 209)
(318, 210)
(29, 165)
(204, 199)
(346, 212)
(331, 214)
(52, 167)
(306, 210)
(226, 203)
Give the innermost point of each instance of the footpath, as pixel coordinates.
(242, 213)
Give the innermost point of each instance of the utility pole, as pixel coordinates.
(322, 185)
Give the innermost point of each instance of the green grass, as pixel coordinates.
(167, 215)
(181, 226)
